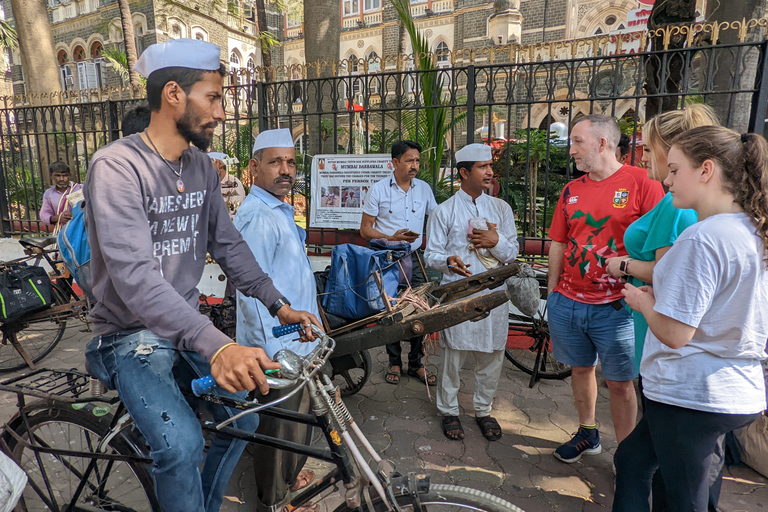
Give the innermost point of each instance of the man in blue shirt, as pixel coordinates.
(266, 223)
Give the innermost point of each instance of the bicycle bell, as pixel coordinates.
(291, 362)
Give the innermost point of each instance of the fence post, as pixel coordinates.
(113, 121)
(262, 106)
(757, 117)
(471, 104)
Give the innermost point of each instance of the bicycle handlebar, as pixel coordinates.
(207, 384)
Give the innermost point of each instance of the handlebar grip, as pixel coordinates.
(203, 385)
(283, 330)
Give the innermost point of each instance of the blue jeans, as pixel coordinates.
(148, 373)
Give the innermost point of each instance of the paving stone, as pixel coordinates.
(401, 446)
(454, 449)
(394, 423)
(537, 410)
(492, 476)
(432, 460)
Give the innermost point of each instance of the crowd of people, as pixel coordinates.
(658, 273)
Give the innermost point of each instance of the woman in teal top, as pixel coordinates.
(650, 237)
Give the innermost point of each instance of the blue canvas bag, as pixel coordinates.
(351, 291)
(75, 251)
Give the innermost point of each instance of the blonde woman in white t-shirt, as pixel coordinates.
(708, 323)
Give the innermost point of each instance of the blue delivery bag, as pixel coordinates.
(351, 291)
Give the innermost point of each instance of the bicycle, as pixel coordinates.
(30, 338)
(80, 453)
(529, 346)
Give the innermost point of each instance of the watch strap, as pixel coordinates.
(279, 303)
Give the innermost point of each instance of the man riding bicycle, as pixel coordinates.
(154, 208)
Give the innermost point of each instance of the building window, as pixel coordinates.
(374, 63)
(90, 75)
(372, 5)
(138, 38)
(234, 66)
(301, 143)
(175, 32)
(351, 7)
(443, 54)
(79, 54)
(62, 57)
(67, 80)
(96, 49)
(294, 18)
(251, 64)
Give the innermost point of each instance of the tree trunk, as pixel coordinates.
(402, 35)
(735, 68)
(38, 58)
(266, 52)
(322, 33)
(126, 20)
(663, 75)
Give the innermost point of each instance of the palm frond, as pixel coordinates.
(8, 36)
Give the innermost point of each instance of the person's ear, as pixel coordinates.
(174, 94)
(706, 171)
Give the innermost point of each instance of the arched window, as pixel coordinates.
(374, 63)
(251, 63)
(234, 59)
(176, 31)
(96, 48)
(79, 53)
(62, 57)
(234, 66)
(352, 63)
(598, 31)
(443, 54)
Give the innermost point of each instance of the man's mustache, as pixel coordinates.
(284, 177)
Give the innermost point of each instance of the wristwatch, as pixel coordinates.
(624, 266)
(275, 307)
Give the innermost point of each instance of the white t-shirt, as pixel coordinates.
(395, 209)
(713, 278)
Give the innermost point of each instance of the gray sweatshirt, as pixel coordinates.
(149, 243)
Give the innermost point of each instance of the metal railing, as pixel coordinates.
(365, 106)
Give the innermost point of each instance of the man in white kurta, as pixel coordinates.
(457, 254)
(266, 222)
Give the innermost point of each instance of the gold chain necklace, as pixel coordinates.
(179, 183)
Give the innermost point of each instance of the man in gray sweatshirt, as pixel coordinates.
(154, 208)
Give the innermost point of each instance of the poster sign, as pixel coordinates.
(339, 186)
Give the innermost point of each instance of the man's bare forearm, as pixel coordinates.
(556, 256)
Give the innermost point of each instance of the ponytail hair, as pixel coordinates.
(743, 160)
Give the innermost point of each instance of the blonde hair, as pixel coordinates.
(743, 161)
(660, 131)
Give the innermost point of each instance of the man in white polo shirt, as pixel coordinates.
(394, 209)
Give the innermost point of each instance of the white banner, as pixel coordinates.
(339, 186)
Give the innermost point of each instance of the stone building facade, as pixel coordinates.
(82, 29)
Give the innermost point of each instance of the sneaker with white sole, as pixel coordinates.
(581, 444)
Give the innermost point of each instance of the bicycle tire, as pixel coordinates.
(38, 338)
(446, 498)
(522, 348)
(351, 381)
(112, 486)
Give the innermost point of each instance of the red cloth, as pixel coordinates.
(591, 218)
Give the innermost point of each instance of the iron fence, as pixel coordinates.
(513, 100)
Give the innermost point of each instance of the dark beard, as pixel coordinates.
(186, 130)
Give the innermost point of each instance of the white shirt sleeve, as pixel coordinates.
(685, 289)
(431, 203)
(371, 203)
(507, 248)
(435, 255)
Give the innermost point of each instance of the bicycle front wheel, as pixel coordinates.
(447, 498)
(38, 338)
(111, 486)
(525, 344)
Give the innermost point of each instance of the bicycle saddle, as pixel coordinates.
(37, 243)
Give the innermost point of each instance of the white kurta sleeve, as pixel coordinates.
(508, 247)
(437, 241)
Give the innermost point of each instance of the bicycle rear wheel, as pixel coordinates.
(447, 498)
(523, 344)
(38, 338)
(112, 485)
(351, 372)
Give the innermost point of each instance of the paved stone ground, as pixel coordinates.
(401, 421)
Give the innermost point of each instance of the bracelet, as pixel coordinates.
(219, 352)
(279, 303)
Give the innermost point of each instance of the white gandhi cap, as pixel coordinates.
(280, 138)
(474, 153)
(179, 53)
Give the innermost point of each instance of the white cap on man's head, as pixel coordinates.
(179, 53)
(280, 138)
(474, 153)
(217, 156)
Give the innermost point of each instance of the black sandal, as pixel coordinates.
(430, 379)
(487, 425)
(452, 424)
(392, 377)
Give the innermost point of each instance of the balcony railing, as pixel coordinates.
(372, 18)
(296, 31)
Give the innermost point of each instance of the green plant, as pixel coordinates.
(8, 37)
(119, 61)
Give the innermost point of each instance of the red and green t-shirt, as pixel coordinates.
(591, 218)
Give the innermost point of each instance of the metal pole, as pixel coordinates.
(759, 111)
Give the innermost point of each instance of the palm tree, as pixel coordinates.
(126, 20)
(8, 37)
(38, 58)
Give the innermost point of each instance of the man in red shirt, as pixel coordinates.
(586, 312)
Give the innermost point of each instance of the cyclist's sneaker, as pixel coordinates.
(583, 443)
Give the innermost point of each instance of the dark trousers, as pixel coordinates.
(687, 448)
(395, 350)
